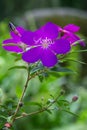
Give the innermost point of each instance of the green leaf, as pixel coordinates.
(49, 111)
(79, 51)
(37, 68)
(18, 67)
(34, 104)
(15, 54)
(1, 116)
(62, 69)
(71, 113)
(18, 91)
(10, 104)
(54, 73)
(41, 78)
(81, 62)
(9, 119)
(62, 100)
(3, 106)
(50, 101)
(64, 104)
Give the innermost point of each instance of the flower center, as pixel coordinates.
(45, 42)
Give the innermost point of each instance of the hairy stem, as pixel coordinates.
(21, 98)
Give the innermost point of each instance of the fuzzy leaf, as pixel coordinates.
(34, 104)
(49, 111)
(37, 68)
(18, 67)
(71, 113)
(1, 116)
(62, 69)
(81, 62)
(78, 51)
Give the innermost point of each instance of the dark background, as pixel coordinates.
(11, 8)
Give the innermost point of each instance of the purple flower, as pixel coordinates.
(68, 32)
(45, 45)
(14, 44)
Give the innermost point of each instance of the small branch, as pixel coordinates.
(21, 98)
(32, 113)
(39, 111)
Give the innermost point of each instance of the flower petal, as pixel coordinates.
(72, 28)
(31, 55)
(9, 41)
(65, 36)
(28, 37)
(20, 29)
(13, 48)
(11, 45)
(61, 46)
(48, 58)
(49, 30)
(75, 38)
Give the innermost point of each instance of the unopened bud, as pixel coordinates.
(75, 98)
(8, 125)
(20, 104)
(12, 27)
(24, 114)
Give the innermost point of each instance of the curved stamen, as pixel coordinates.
(46, 42)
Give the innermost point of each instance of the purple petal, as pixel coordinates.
(65, 36)
(72, 28)
(11, 45)
(31, 55)
(28, 37)
(13, 48)
(48, 58)
(75, 38)
(20, 29)
(49, 30)
(61, 46)
(82, 43)
(9, 41)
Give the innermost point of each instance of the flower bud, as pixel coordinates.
(24, 114)
(75, 98)
(8, 125)
(20, 104)
(12, 27)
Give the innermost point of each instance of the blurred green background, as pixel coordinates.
(31, 14)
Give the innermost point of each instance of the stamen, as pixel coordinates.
(46, 42)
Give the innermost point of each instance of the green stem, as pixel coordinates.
(32, 113)
(21, 98)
